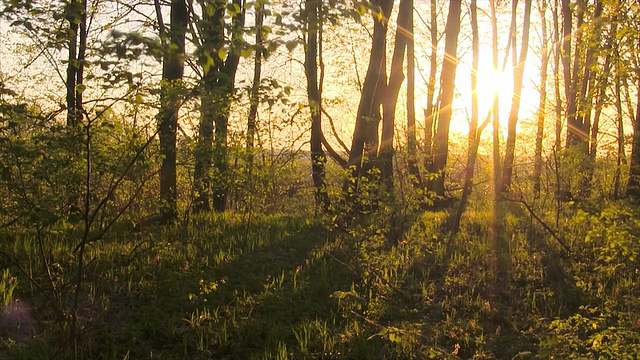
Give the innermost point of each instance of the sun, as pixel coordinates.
(494, 82)
(491, 82)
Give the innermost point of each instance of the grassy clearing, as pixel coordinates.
(293, 287)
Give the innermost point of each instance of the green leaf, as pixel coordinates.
(222, 54)
(233, 9)
(245, 53)
(291, 45)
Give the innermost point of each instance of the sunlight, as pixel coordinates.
(491, 82)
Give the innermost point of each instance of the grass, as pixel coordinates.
(293, 287)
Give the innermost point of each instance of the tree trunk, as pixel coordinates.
(254, 96)
(411, 108)
(172, 72)
(620, 156)
(600, 99)
(518, 75)
(496, 107)
(586, 94)
(211, 166)
(447, 86)
(396, 77)
(318, 157)
(453, 225)
(556, 77)
(429, 111)
(364, 146)
(573, 135)
(211, 101)
(542, 106)
(633, 184)
(74, 15)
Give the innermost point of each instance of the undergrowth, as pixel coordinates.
(296, 287)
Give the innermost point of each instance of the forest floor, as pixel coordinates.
(294, 287)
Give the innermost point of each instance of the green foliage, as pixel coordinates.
(8, 284)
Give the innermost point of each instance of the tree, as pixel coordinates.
(633, 185)
(579, 76)
(507, 167)
(396, 77)
(172, 72)
(495, 109)
(453, 224)
(219, 61)
(314, 95)
(254, 95)
(447, 85)
(364, 145)
(542, 105)
(430, 109)
(76, 15)
(412, 142)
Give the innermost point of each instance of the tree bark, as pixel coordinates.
(364, 146)
(633, 184)
(429, 111)
(620, 158)
(76, 15)
(518, 75)
(411, 108)
(219, 71)
(542, 105)
(318, 157)
(396, 77)
(172, 72)
(600, 99)
(447, 86)
(556, 77)
(453, 225)
(496, 107)
(254, 96)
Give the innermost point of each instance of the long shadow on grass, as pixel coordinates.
(250, 290)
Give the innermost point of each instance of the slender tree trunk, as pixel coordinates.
(587, 88)
(518, 75)
(254, 101)
(211, 101)
(172, 72)
(633, 184)
(542, 106)
(76, 15)
(227, 84)
(411, 108)
(429, 111)
(211, 174)
(364, 146)
(573, 136)
(453, 225)
(80, 62)
(390, 100)
(318, 157)
(577, 86)
(73, 13)
(254, 96)
(620, 158)
(600, 99)
(496, 107)
(447, 86)
(556, 76)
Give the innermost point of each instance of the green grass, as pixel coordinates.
(293, 287)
